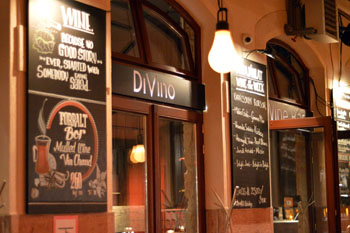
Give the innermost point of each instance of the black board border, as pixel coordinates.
(62, 207)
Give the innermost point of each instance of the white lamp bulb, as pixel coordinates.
(222, 55)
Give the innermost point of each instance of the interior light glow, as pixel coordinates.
(137, 154)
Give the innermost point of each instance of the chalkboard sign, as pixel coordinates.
(341, 99)
(249, 136)
(66, 109)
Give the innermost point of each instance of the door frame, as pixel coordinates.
(331, 160)
(153, 112)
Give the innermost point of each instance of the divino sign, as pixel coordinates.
(66, 150)
(249, 136)
(157, 86)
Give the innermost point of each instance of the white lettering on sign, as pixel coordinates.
(73, 119)
(341, 114)
(251, 72)
(152, 86)
(76, 19)
(250, 79)
(72, 40)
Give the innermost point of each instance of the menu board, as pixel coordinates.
(66, 108)
(341, 99)
(249, 136)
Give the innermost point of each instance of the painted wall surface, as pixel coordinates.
(4, 103)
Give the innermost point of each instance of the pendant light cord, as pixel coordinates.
(220, 5)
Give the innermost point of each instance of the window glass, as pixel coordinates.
(344, 181)
(299, 193)
(167, 45)
(287, 83)
(179, 20)
(123, 32)
(129, 172)
(179, 191)
(287, 75)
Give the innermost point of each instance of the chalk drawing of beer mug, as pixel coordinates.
(41, 154)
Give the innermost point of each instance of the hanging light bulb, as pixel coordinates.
(222, 55)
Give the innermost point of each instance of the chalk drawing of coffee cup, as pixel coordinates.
(41, 154)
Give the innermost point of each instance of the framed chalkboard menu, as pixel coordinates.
(249, 136)
(66, 108)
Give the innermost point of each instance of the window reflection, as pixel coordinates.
(178, 20)
(123, 32)
(344, 181)
(288, 77)
(164, 37)
(299, 194)
(178, 176)
(129, 172)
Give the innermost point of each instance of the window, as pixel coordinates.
(162, 37)
(288, 76)
(158, 34)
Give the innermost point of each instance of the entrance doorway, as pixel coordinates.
(303, 175)
(157, 161)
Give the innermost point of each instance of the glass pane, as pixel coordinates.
(179, 188)
(129, 172)
(319, 178)
(178, 19)
(288, 85)
(123, 33)
(344, 182)
(163, 37)
(291, 85)
(272, 92)
(298, 181)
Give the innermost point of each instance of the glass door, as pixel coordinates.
(177, 149)
(157, 171)
(303, 175)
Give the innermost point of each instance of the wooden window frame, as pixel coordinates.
(141, 58)
(145, 59)
(305, 94)
(179, 30)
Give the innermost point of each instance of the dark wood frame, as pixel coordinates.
(145, 59)
(331, 160)
(272, 71)
(153, 112)
(179, 30)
